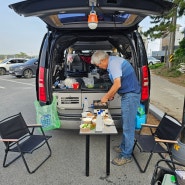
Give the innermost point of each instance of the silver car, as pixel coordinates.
(27, 69)
(153, 60)
(6, 63)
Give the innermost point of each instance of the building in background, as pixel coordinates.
(162, 50)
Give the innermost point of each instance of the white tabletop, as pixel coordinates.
(107, 130)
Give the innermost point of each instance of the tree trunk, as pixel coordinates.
(172, 39)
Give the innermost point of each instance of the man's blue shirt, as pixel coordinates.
(119, 67)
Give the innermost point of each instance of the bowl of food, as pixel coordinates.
(84, 114)
(94, 120)
(86, 120)
(108, 121)
(90, 115)
(85, 127)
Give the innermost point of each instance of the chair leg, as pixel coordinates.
(13, 160)
(36, 168)
(143, 170)
(24, 160)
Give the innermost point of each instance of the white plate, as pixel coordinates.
(108, 121)
(84, 114)
(87, 119)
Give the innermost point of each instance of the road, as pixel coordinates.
(67, 164)
(167, 97)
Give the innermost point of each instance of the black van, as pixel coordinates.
(76, 29)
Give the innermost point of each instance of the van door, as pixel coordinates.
(142, 64)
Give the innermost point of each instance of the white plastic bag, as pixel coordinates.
(89, 82)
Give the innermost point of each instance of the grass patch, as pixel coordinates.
(172, 74)
(162, 70)
(155, 66)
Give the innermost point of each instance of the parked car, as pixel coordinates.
(153, 60)
(71, 40)
(6, 63)
(27, 69)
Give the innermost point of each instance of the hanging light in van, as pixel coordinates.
(92, 20)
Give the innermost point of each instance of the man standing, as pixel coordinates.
(125, 82)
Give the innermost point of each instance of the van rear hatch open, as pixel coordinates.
(111, 14)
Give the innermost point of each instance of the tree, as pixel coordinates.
(21, 55)
(179, 53)
(166, 24)
(163, 25)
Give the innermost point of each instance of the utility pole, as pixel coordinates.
(172, 38)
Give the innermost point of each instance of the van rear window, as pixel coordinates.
(82, 17)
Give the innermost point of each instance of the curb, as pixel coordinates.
(157, 113)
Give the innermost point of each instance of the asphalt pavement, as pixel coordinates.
(166, 97)
(67, 163)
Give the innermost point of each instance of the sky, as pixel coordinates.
(19, 33)
(25, 34)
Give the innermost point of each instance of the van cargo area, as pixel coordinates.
(70, 101)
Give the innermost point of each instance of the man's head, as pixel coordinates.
(100, 59)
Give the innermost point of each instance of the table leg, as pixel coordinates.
(108, 154)
(87, 154)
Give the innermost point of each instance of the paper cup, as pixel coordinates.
(76, 85)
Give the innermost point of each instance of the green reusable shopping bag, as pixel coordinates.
(47, 115)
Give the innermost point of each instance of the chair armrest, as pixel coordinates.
(149, 126)
(165, 141)
(9, 140)
(34, 125)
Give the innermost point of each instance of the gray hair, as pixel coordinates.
(98, 56)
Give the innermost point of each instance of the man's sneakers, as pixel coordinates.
(117, 149)
(121, 161)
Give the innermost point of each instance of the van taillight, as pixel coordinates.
(145, 84)
(42, 89)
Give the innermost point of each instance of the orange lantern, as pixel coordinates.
(92, 20)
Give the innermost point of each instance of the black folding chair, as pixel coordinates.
(18, 138)
(160, 141)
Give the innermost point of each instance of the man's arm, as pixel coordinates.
(110, 94)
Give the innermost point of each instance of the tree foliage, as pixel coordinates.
(162, 25)
(179, 53)
(21, 55)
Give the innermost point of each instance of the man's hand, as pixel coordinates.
(110, 99)
(104, 100)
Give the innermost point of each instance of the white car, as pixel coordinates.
(6, 63)
(152, 60)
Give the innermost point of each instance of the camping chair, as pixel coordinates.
(160, 141)
(18, 138)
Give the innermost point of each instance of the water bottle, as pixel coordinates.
(86, 105)
(99, 122)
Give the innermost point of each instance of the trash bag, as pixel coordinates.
(141, 110)
(47, 115)
(140, 117)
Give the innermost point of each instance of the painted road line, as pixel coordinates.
(17, 82)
